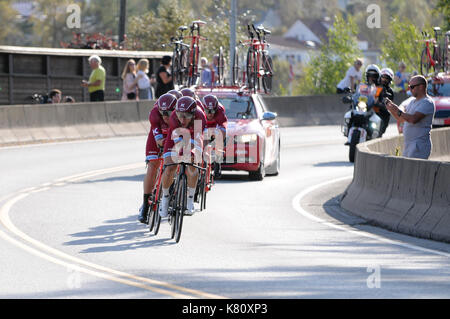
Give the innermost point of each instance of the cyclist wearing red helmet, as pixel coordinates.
(215, 113)
(216, 122)
(187, 116)
(191, 93)
(159, 119)
(176, 93)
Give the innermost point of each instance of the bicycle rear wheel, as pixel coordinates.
(252, 75)
(151, 213)
(437, 59)
(175, 67)
(425, 63)
(184, 66)
(235, 72)
(221, 66)
(268, 73)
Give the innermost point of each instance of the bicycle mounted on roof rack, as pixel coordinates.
(259, 63)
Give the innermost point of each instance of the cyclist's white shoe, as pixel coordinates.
(164, 207)
(190, 209)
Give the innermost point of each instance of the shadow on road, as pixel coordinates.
(334, 164)
(117, 235)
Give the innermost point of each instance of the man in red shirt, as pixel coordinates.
(159, 126)
(186, 127)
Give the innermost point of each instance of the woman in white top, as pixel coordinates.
(129, 91)
(143, 80)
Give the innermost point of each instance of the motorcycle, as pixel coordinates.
(361, 123)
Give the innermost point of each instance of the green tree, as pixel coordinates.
(280, 82)
(8, 30)
(402, 43)
(329, 66)
(50, 22)
(153, 29)
(443, 8)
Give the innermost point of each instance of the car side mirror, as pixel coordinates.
(347, 99)
(269, 116)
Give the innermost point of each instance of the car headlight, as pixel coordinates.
(246, 138)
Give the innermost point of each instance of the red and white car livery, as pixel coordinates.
(439, 90)
(253, 135)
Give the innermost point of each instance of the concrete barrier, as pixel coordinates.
(410, 196)
(312, 110)
(21, 124)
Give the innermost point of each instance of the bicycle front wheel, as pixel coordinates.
(156, 216)
(180, 206)
(268, 73)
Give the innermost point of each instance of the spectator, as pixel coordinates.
(164, 80)
(417, 118)
(69, 99)
(96, 83)
(54, 96)
(143, 81)
(205, 77)
(401, 78)
(215, 69)
(352, 77)
(129, 91)
(153, 84)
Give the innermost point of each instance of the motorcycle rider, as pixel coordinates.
(372, 77)
(384, 91)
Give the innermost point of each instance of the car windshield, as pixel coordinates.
(439, 89)
(239, 107)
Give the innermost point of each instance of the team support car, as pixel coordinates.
(253, 135)
(439, 90)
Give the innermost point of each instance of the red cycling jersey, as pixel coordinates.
(196, 128)
(220, 119)
(158, 131)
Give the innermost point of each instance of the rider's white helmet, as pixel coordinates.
(388, 72)
(373, 70)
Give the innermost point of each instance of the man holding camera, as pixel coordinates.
(417, 118)
(384, 91)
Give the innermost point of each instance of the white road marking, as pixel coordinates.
(53, 255)
(297, 206)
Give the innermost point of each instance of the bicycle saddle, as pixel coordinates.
(183, 28)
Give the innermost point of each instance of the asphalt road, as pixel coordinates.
(69, 229)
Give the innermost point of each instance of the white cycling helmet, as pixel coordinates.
(373, 70)
(388, 72)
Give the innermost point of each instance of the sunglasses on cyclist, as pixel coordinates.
(184, 115)
(207, 111)
(165, 113)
